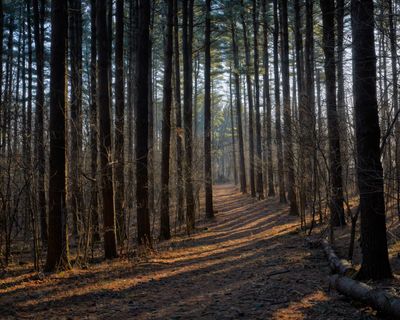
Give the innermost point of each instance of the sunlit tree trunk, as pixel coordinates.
(178, 115)
(287, 115)
(278, 129)
(242, 169)
(267, 102)
(207, 115)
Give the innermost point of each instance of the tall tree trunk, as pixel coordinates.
(250, 101)
(287, 115)
(341, 104)
(187, 108)
(242, 169)
(39, 124)
(278, 129)
(309, 104)
(304, 175)
(142, 105)
(395, 98)
(165, 232)
(235, 176)
(375, 261)
(258, 163)
(119, 121)
(94, 214)
(1, 62)
(178, 115)
(75, 46)
(103, 63)
(29, 104)
(267, 102)
(152, 118)
(207, 114)
(57, 252)
(133, 5)
(328, 38)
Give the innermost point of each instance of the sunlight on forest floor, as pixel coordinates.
(251, 262)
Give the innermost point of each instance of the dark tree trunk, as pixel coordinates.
(165, 232)
(29, 129)
(287, 115)
(152, 118)
(57, 252)
(393, 50)
(328, 38)
(1, 61)
(39, 124)
(75, 46)
(258, 164)
(309, 104)
(187, 108)
(251, 106)
(130, 201)
(304, 175)
(119, 121)
(142, 105)
(207, 115)
(375, 261)
(103, 63)
(278, 129)
(242, 169)
(267, 103)
(178, 105)
(94, 214)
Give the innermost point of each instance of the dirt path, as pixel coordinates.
(249, 263)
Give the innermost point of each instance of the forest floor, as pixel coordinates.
(250, 262)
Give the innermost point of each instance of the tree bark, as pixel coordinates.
(165, 232)
(242, 169)
(235, 176)
(278, 129)
(328, 39)
(287, 115)
(94, 214)
(250, 102)
(375, 260)
(119, 122)
(267, 102)
(57, 252)
(258, 162)
(103, 63)
(39, 124)
(142, 105)
(187, 114)
(395, 98)
(207, 115)
(178, 115)
(75, 46)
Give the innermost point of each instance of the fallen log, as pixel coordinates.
(380, 300)
(340, 266)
